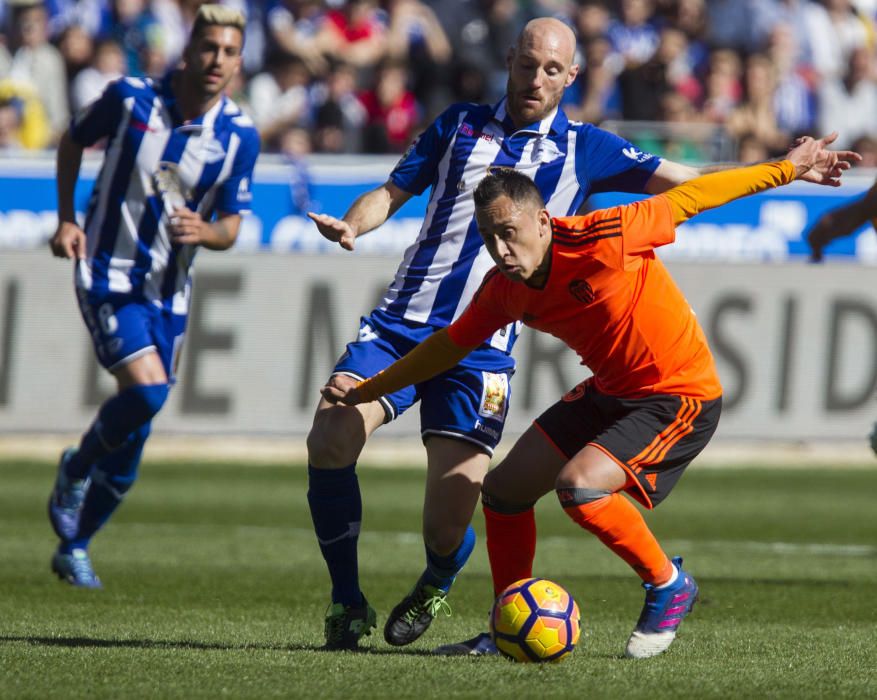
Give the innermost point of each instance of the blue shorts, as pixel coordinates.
(469, 402)
(124, 328)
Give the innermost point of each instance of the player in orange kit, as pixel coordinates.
(654, 399)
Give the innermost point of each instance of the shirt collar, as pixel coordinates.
(556, 122)
(200, 123)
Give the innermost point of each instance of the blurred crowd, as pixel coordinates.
(364, 76)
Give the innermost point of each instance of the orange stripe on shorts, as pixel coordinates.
(669, 436)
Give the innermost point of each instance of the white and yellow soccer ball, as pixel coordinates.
(535, 620)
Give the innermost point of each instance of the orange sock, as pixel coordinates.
(620, 527)
(511, 546)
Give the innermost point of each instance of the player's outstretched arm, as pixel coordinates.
(670, 174)
(841, 222)
(69, 239)
(435, 355)
(710, 191)
(368, 212)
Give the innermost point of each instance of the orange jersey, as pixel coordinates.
(611, 300)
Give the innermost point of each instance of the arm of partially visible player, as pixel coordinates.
(368, 212)
(433, 356)
(68, 240)
(188, 228)
(841, 222)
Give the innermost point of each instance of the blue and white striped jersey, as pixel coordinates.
(155, 161)
(568, 161)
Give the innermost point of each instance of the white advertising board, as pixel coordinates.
(796, 346)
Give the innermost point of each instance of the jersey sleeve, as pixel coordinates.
(235, 196)
(101, 118)
(608, 163)
(486, 313)
(417, 168)
(619, 236)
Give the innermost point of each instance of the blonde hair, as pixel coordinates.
(212, 15)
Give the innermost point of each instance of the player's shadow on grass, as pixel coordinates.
(86, 642)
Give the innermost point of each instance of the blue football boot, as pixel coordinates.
(664, 610)
(65, 501)
(482, 645)
(75, 568)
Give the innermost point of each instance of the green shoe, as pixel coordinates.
(345, 625)
(413, 616)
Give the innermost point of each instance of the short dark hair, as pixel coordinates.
(509, 182)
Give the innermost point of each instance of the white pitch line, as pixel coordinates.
(415, 538)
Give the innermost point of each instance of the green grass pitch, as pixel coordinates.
(214, 587)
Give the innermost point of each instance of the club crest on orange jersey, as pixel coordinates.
(581, 291)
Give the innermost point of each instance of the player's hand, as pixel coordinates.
(341, 389)
(823, 166)
(818, 237)
(335, 395)
(187, 227)
(68, 241)
(336, 230)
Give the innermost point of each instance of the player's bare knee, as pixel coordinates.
(336, 438)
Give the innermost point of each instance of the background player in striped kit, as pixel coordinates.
(177, 151)
(462, 410)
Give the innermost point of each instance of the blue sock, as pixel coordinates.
(112, 477)
(442, 570)
(336, 509)
(119, 416)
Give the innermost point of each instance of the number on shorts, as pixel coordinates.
(107, 317)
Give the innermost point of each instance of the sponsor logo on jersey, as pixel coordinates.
(141, 126)
(467, 130)
(636, 155)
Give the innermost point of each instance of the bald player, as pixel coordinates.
(463, 409)
(653, 401)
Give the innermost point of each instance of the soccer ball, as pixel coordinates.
(535, 620)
